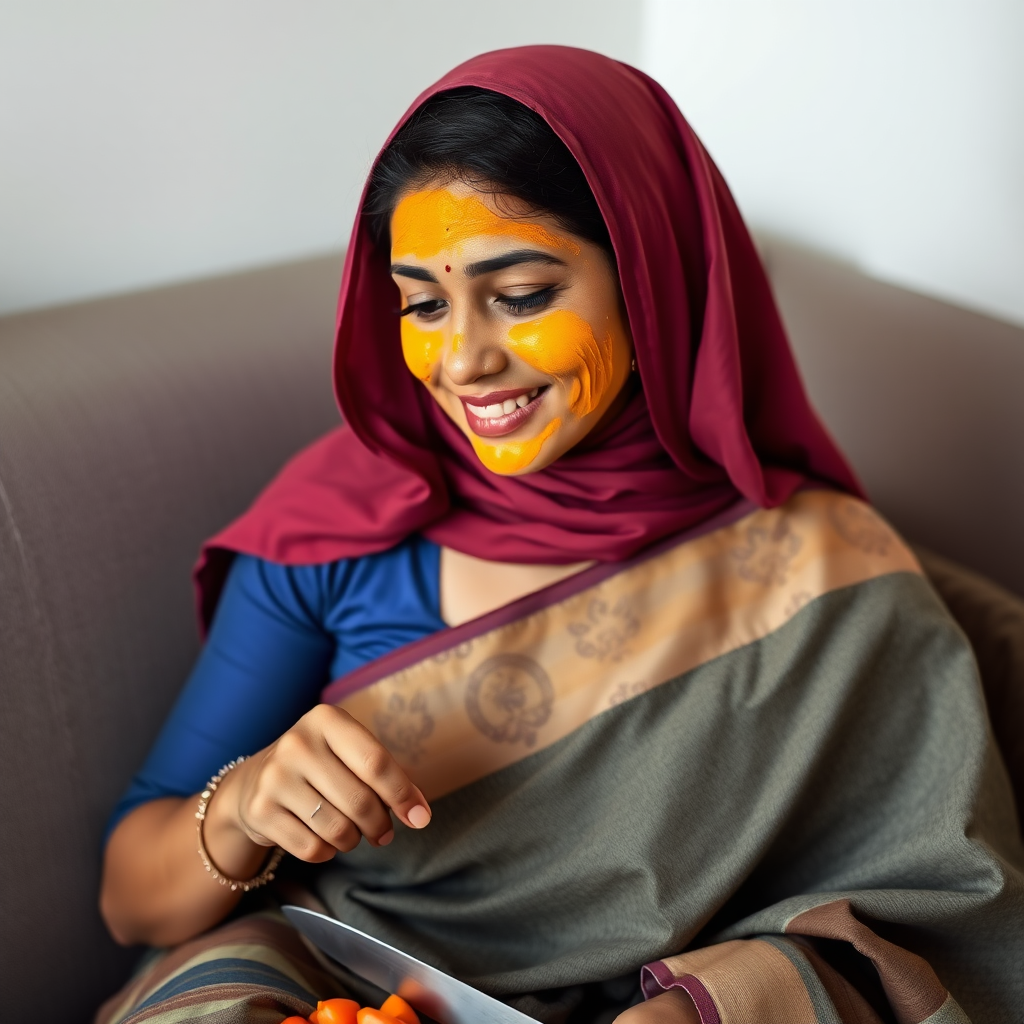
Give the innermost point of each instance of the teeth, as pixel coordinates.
(506, 408)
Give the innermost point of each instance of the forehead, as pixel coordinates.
(435, 220)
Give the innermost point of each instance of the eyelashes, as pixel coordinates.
(517, 305)
(425, 308)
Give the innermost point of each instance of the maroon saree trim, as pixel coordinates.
(656, 978)
(445, 639)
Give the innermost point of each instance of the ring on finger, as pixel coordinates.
(315, 809)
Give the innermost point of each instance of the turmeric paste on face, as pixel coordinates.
(421, 349)
(561, 344)
(507, 457)
(424, 223)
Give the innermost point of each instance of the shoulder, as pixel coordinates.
(312, 591)
(760, 572)
(852, 624)
(834, 561)
(819, 539)
(821, 596)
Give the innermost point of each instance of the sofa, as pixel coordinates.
(133, 427)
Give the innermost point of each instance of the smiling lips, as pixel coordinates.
(501, 412)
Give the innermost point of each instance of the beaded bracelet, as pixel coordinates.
(266, 875)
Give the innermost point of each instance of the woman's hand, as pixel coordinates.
(155, 889)
(317, 790)
(671, 1007)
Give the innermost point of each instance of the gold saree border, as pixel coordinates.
(767, 979)
(491, 699)
(747, 981)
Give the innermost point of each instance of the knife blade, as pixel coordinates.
(434, 993)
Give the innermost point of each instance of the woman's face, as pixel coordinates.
(516, 327)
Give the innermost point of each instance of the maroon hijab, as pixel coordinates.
(722, 414)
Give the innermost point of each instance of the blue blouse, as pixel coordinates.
(279, 636)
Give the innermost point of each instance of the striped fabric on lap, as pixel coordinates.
(256, 968)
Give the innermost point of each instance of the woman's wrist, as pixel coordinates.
(228, 844)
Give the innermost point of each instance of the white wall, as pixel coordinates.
(145, 141)
(888, 132)
(149, 142)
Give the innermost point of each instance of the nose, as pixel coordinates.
(476, 349)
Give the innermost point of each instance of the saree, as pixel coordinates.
(753, 763)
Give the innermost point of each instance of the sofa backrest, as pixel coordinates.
(925, 399)
(133, 427)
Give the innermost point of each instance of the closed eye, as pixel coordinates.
(520, 304)
(429, 309)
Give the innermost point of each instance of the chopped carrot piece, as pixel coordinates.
(397, 1007)
(368, 1015)
(337, 1011)
(295, 1020)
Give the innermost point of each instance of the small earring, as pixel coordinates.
(632, 368)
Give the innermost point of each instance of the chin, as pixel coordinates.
(534, 467)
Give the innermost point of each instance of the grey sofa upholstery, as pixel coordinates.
(130, 429)
(925, 399)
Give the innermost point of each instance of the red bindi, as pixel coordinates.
(447, 269)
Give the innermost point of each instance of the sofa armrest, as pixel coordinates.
(130, 429)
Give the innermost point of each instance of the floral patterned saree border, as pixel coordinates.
(485, 702)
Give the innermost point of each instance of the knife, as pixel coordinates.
(434, 993)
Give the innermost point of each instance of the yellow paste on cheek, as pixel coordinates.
(562, 344)
(426, 222)
(512, 456)
(421, 349)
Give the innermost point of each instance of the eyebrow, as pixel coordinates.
(416, 273)
(516, 258)
(512, 259)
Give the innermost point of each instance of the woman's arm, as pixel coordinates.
(147, 894)
(255, 688)
(155, 888)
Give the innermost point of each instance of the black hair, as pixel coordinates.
(492, 143)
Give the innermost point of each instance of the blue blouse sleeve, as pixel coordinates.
(263, 666)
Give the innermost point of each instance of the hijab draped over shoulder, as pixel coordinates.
(722, 415)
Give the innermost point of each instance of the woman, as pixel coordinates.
(632, 696)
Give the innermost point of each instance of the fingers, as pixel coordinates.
(372, 764)
(326, 822)
(325, 784)
(353, 800)
(273, 815)
(290, 813)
